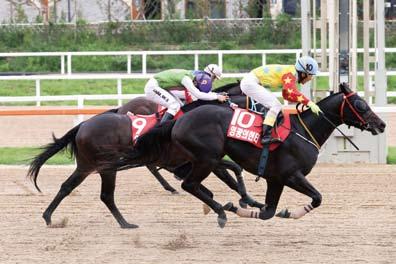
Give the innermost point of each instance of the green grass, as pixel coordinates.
(75, 87)
(23, 156)
(391, 159)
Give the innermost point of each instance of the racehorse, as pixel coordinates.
(112, 129)
(201, 135)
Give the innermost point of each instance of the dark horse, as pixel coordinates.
(202, 135)
(110, 129)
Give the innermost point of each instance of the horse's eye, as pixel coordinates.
(361, 106)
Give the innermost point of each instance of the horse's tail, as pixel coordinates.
(68, 140)
(149, 148)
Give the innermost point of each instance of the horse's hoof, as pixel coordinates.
(284, 213)
(47, 219)
(175, 192)
(228, 206)
(206, 209)
(242, 203)
(222, 221)
(129, 226)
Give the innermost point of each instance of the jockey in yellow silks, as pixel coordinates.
(279, 76)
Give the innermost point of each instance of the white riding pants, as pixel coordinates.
(250, 86)
(162, 97)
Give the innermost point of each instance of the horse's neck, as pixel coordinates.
(320, 128)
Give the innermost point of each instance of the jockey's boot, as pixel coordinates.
(266, 139)
(166, 117)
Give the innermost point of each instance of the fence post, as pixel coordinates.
(263, 59)
(69, 63)
(129, 70)
(62, 64)
(196, 62)
(144, 63)
(220, 59)
(80, 105)
(38, 101)
(119, 91)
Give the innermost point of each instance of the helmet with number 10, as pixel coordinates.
(308, 65)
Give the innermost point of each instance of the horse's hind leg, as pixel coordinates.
(107, 196)
(299, 183)
(67, 187)
(161, 179)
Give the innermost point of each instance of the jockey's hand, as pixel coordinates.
(222, 98)
(314, 107)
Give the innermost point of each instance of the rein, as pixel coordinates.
(315, 142)
(345, 99)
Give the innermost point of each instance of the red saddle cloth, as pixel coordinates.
(247, 126)
(140, 124)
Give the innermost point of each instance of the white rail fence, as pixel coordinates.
(66, 70)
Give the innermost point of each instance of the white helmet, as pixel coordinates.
(214, 70)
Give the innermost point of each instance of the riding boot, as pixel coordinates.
(166, 117)
(266, 139)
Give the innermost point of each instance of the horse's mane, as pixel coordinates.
(226, 87)
(328, 97)
(321, 101)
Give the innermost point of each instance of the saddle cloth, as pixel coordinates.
(247, 126)
(141, 124)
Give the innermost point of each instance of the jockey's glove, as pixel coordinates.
(314, 107)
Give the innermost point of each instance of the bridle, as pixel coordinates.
(362, 123)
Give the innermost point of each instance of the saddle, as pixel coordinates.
(246, 125)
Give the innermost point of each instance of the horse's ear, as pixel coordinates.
(344, 87)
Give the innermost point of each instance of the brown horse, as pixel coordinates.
(86, 142)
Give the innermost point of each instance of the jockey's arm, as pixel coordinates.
(290, 91)
(188, 83)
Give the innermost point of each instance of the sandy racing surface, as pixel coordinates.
(355, 224)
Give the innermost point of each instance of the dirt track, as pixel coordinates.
(355, 224)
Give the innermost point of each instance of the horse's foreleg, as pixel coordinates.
(222, 173)
(107, 197)
(192, 184)
(299, 183)
(161, 179)
(67, 187)
(274, 191)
